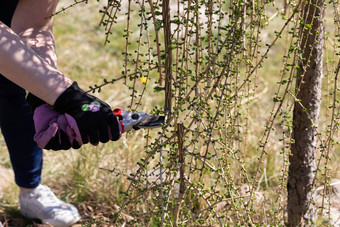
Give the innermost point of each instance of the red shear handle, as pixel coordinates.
(118, 113)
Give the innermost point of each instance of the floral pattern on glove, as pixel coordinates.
(93, 107)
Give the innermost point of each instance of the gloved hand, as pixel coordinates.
(54, 131)
(95, 119)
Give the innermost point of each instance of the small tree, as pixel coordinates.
(306, 113)
(210, 64)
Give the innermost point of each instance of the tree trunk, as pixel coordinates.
(305, 117)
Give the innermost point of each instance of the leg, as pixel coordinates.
(18, 130)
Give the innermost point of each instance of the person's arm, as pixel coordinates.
(30, 63)
(23, 66)
(33, 23)
(27, 54)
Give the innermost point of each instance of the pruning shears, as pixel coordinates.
(138, 120)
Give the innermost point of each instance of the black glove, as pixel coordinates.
(60, 141)
(95, 119)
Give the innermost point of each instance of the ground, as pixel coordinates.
(91, 216)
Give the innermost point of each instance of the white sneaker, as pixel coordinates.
(42, 204)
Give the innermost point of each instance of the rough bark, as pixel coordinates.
(305, 117)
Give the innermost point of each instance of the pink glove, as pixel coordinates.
(55, 131)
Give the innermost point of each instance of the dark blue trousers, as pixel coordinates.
(16, 122)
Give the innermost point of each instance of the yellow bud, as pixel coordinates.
(143, 79)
